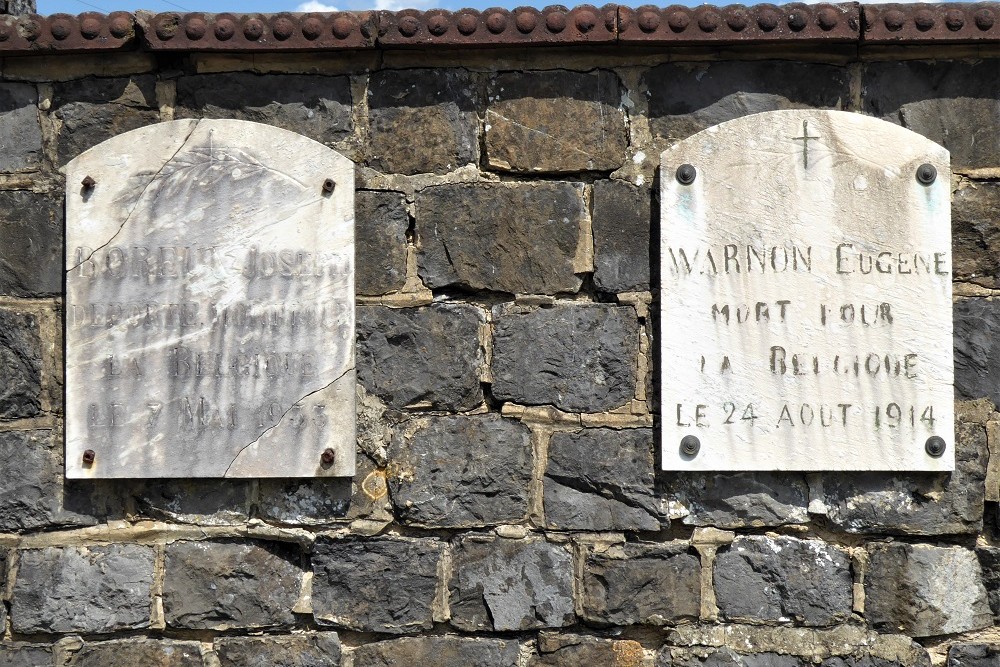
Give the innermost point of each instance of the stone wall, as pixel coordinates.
(508, 510)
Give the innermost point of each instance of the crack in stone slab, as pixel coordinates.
(278, 420)
(138, 200)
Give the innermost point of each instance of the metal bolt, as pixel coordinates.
(89, 183)
(690, 445)
(685, 174)
(328, 185)
(926, 173)
(89, 456)
(328, 456)
(935, 446)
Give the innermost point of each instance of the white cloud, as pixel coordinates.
(315, 6)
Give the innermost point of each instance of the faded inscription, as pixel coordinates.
(806, 297)
(210, 305)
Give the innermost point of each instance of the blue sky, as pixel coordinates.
(247, 6)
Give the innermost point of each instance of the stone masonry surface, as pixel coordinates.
(507, 509)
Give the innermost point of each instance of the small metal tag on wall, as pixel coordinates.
(806, 297)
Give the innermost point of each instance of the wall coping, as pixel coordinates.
(610, 25)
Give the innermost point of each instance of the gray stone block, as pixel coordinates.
(309, 650)
(555, 122)
(83, 589)
(380, 584)
(989, 561)
(16, 654)
(93, 110)
(953, 102)
(20, 131)
(136, 652)
(33, 493)
(421, 357)
(578, 358)
(511, 585)
(721, 91)
(31, 226)
(224, 585)
(520, 238)
(782, 578)
(318, 107)
(202, 502)
(725, 657)
(974, 655)
(561, 650)
(923, 591)
(380, 226)
(422, 120)
(977, 364)
(20, 365)
(912, 503)
(601, 479)
(642, 584)
(461, 472)
(736, 500)
(4, 559)
(438, 651)
(975, 225)
(622, 220)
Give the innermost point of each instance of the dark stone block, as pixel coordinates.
(975, 229)
(923, 591)
(519, 238)
(83, 589)
(602, 479)
(736, 500)
(20, 365)
(578, 650)
(422, 120)
(716, 92)
(421, 357)
(381, 584)
(579, 358)
(93, 110)
(25, 655)
(555, 122)
(913, 503)
(311, 650)
(977, 365)
(989, 560)
(380, 225)
(642, 584)
(32, 491)
(198, 501)
(318, 107)
(771, 579)
(135, 652)
(461, 472)
(974, 655)
(953, 102)
(438, 651)
(20, 131)
(511, 585)
(622, 219)
(31, 226)
(3, 587)
(223, 585)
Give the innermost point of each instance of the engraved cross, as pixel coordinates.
(805, 143)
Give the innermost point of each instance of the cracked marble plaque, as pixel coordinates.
(805, 262)
(210, 305)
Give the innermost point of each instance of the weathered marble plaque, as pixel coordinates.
(806, 297)
(210, 305)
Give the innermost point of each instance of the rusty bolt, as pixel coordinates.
(89, 183)
(328, 456)
(926, 174)
(328, 185)
(89, 456)
(686, 174)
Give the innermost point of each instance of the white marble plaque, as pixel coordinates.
(210, 305)
(806, 297)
